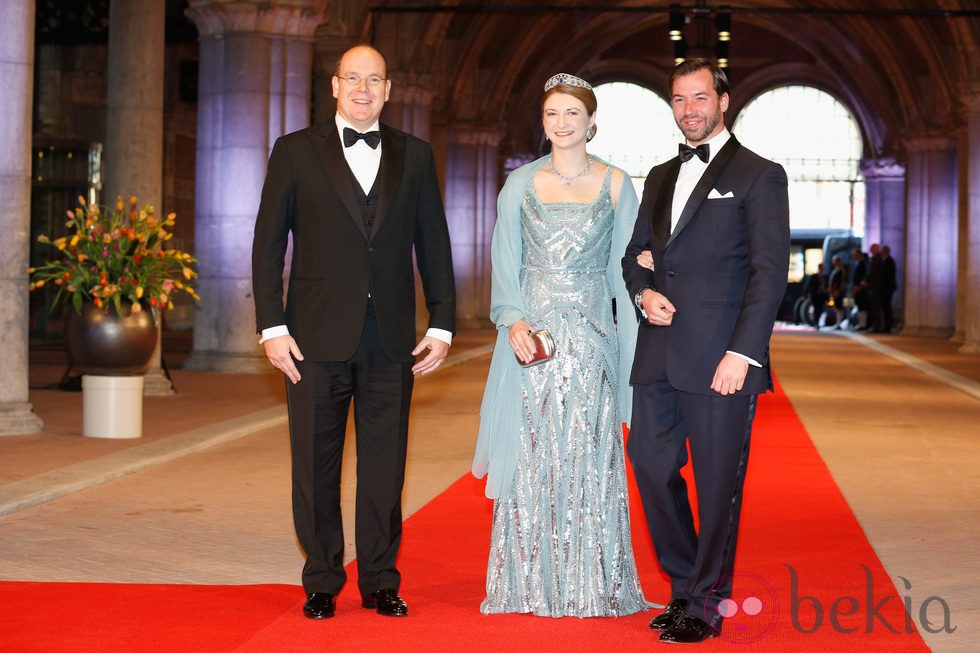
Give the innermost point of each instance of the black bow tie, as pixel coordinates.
(686, 152)
(351, 136)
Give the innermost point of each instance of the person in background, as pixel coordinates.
(859, 287)
(872, 281)
(885, 285)
(837, 289)
(816, 289)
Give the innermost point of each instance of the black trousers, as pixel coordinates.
(699, 563)
(319, 404)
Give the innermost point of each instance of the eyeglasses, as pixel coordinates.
(355, 80)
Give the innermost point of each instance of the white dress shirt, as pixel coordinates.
(364, 162)
(690, 174)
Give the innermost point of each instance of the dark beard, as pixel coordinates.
(701, 135)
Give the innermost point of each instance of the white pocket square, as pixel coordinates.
(715, 195)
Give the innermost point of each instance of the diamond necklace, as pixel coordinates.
(568, 180)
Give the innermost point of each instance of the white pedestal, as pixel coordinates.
(112, 406)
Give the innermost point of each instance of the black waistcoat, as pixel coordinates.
(367, 203)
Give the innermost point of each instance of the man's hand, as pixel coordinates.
(437, 353)
(730, 375)
(659, 310)
(280, 351)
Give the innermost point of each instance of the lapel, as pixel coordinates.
(330, 153)
(665, 198)
(704, 186)
(389, 172)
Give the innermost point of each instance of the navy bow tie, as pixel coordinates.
(686, 152)
(351, 136)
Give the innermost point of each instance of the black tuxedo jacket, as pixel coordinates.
(309, 192)
(724, 269)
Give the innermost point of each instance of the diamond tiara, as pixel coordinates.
(567, 80)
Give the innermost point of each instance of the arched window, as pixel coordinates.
(817, 140)
(636, 129)
(808, 131)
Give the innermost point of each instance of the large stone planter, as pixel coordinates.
(113, 351)
(103, 343)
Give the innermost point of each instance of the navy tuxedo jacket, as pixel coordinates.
(723, 268)
(309, 192)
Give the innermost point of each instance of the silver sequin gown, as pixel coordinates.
(560, 544)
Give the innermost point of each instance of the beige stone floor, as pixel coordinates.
(203, 496)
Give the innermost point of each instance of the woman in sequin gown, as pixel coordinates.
(551, 434)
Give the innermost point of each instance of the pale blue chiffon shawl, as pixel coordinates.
(500, 412)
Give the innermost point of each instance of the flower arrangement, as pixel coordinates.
(113, 257)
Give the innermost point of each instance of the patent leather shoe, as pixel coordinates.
(319, 605)
(670, 615)
(386, 602)
(688, 630)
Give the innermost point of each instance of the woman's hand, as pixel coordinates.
(520, 340)
(645, 259)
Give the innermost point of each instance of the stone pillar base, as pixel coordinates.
(18, 418)
(156, 384)
(216, 361)
(972, 347)
(927, 332)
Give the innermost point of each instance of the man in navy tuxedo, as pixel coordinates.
(359, 198)
(715, 222)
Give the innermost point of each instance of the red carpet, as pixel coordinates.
(806, 580)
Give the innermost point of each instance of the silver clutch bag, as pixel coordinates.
(544, 348)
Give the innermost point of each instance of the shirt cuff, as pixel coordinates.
(274, 332)
(441, 334)
(751, 361)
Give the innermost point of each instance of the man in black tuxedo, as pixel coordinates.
(859, 287)
(884, 283)
(716, 221)
(357, 197)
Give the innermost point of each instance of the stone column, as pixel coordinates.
(133, 154)
(931, 232)
(253, 86)
(472, 184)
(884, 182)
(343, 29)
(515, 161)
(410, 107)
(17, 82)
(968, 295)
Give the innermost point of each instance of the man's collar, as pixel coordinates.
(717, 142)
(341, 123)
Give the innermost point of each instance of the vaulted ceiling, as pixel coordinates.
(901, 66)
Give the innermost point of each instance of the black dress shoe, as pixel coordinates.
(688, 630)
(319, 605)
(670, 615)
(386, 602)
